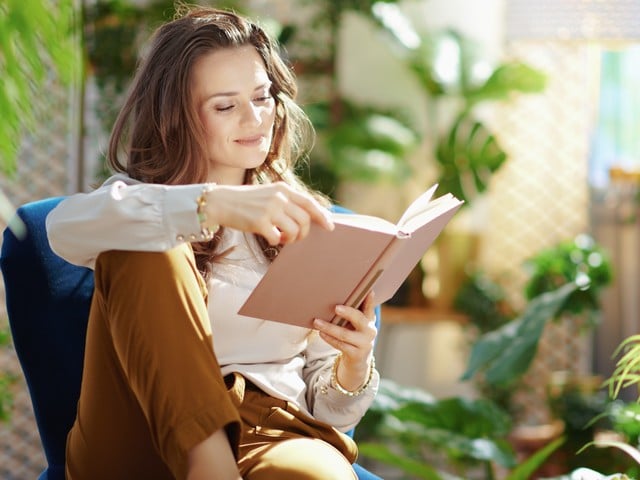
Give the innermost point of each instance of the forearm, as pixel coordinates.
(352, 377)
(343, 411)
(120, 216)
(213, 459)
(325, 402)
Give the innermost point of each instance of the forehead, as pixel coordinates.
(228, 70)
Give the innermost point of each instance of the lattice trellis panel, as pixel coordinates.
(42, 172)
(44, 156)
(541, 196)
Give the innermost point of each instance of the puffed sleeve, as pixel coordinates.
(325, 402)
(123, 214)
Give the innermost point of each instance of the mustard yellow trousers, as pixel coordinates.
(152, 387)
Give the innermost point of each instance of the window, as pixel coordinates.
(616, 139)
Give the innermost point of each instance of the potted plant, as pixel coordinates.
(580, 260)
(623, 417)
(564, 280)
(449, 438)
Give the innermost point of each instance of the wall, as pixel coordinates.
(432, 355)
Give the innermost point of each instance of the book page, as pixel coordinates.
(413, 247)
(366, 222)
(432, 210)
(418, 205)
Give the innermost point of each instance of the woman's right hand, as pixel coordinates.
(276, 211)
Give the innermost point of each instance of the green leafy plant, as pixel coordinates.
(567, 278)
(484, 301)
(366, 145)
(627, 370)
(580, 260)
(410, 430)
(585, 409)
(36, 39)
(355, 142)
(505, 354)
(625, 417)
(466, 151)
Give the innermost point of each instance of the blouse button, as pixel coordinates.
(180, 237)
(192, 237)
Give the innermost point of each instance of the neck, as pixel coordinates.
(231, 177)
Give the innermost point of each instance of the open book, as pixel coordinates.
(363, 253)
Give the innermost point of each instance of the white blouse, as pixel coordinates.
(288, 362)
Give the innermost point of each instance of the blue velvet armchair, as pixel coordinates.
(48, 306)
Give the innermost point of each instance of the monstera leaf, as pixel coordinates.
(468, 155)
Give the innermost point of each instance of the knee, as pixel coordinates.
(138, 266)
(301, 459)
(121, 273)
(145, 261)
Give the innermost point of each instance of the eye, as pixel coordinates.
(263, 98)
(225, 108)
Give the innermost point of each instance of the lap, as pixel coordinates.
(299, 459)
(278, 440)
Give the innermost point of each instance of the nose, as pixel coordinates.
(251, 114)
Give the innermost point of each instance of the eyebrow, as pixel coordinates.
(231, 94)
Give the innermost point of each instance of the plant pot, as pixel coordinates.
(528, 439)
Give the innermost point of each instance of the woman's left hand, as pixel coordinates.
(355, 339)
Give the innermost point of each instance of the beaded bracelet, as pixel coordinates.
(206, 231)
(336, 384)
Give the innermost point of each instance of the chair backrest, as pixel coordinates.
(48, 303)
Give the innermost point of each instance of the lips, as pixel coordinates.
(252, 140)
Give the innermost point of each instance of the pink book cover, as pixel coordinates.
(310, 277)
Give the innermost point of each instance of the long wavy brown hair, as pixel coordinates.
(158, 137)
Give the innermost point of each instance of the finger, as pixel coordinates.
(301, 217)
(272, 235)
(346, 348)
(288, 227)
(343, 337)
(355, 317)
(317, 213)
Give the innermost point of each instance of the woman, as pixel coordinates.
(176, 384)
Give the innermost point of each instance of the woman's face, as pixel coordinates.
(231, 91)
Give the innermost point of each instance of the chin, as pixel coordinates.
(256, 161)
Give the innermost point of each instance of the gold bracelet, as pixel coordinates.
(206, 231)
(336, 384)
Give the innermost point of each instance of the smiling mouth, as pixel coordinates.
(250, 141)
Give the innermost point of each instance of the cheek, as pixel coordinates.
(270, 117)
(214, 128)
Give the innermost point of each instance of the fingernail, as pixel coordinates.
(340, 309)
(318, 323)
(330, 223)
